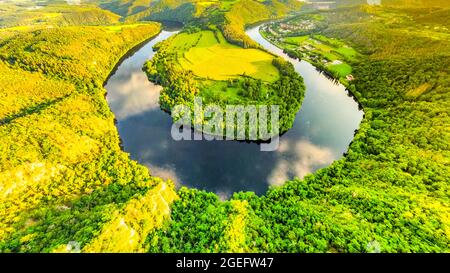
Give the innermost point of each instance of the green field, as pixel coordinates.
(341, 70)
(331, 54)
(203, 63)
(299, 40)
(208, 55)
(330, 49)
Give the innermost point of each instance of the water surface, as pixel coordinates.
(322, 131)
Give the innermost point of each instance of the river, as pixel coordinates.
(323, 129)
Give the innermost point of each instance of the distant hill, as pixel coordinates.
(397, 3)
(49, 13)
(417, 3)
(185, 10)
(126, 7)
(164, 10)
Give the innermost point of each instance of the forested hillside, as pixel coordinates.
(65, 180)
(203, 64)
(247, 12)
(54, 14)
(232, 16)
(416, 3)
(391, 190)
(63, 176)
(126, 7)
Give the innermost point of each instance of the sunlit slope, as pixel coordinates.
(232, 16)
(247, 12)
(63, 176)
(126, 7)
(145, 8)
(416, 3)
(61, 52)
(55, 14)
(128, 229)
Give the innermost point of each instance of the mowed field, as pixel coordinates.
(329, 49)
(209, 55)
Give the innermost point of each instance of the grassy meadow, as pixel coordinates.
(208, 55)
(330, 53)
(201, 62)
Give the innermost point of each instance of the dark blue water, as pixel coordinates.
(323, 129)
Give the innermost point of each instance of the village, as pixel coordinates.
(326, 53)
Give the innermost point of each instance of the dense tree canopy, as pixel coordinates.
(64, 177)
(181, 85)
(392, 187)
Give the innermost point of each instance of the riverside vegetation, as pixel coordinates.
(64, 178)
(391, 188)
(214, 59)
(204, 64)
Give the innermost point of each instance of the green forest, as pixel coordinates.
(275, 81)
(64, 176)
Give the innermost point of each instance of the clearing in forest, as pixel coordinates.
(209, 55)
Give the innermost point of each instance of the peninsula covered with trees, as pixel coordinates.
(201, 63)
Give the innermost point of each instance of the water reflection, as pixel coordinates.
(134, 96)
(129, 91)
(322, 131)
(297, 159)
